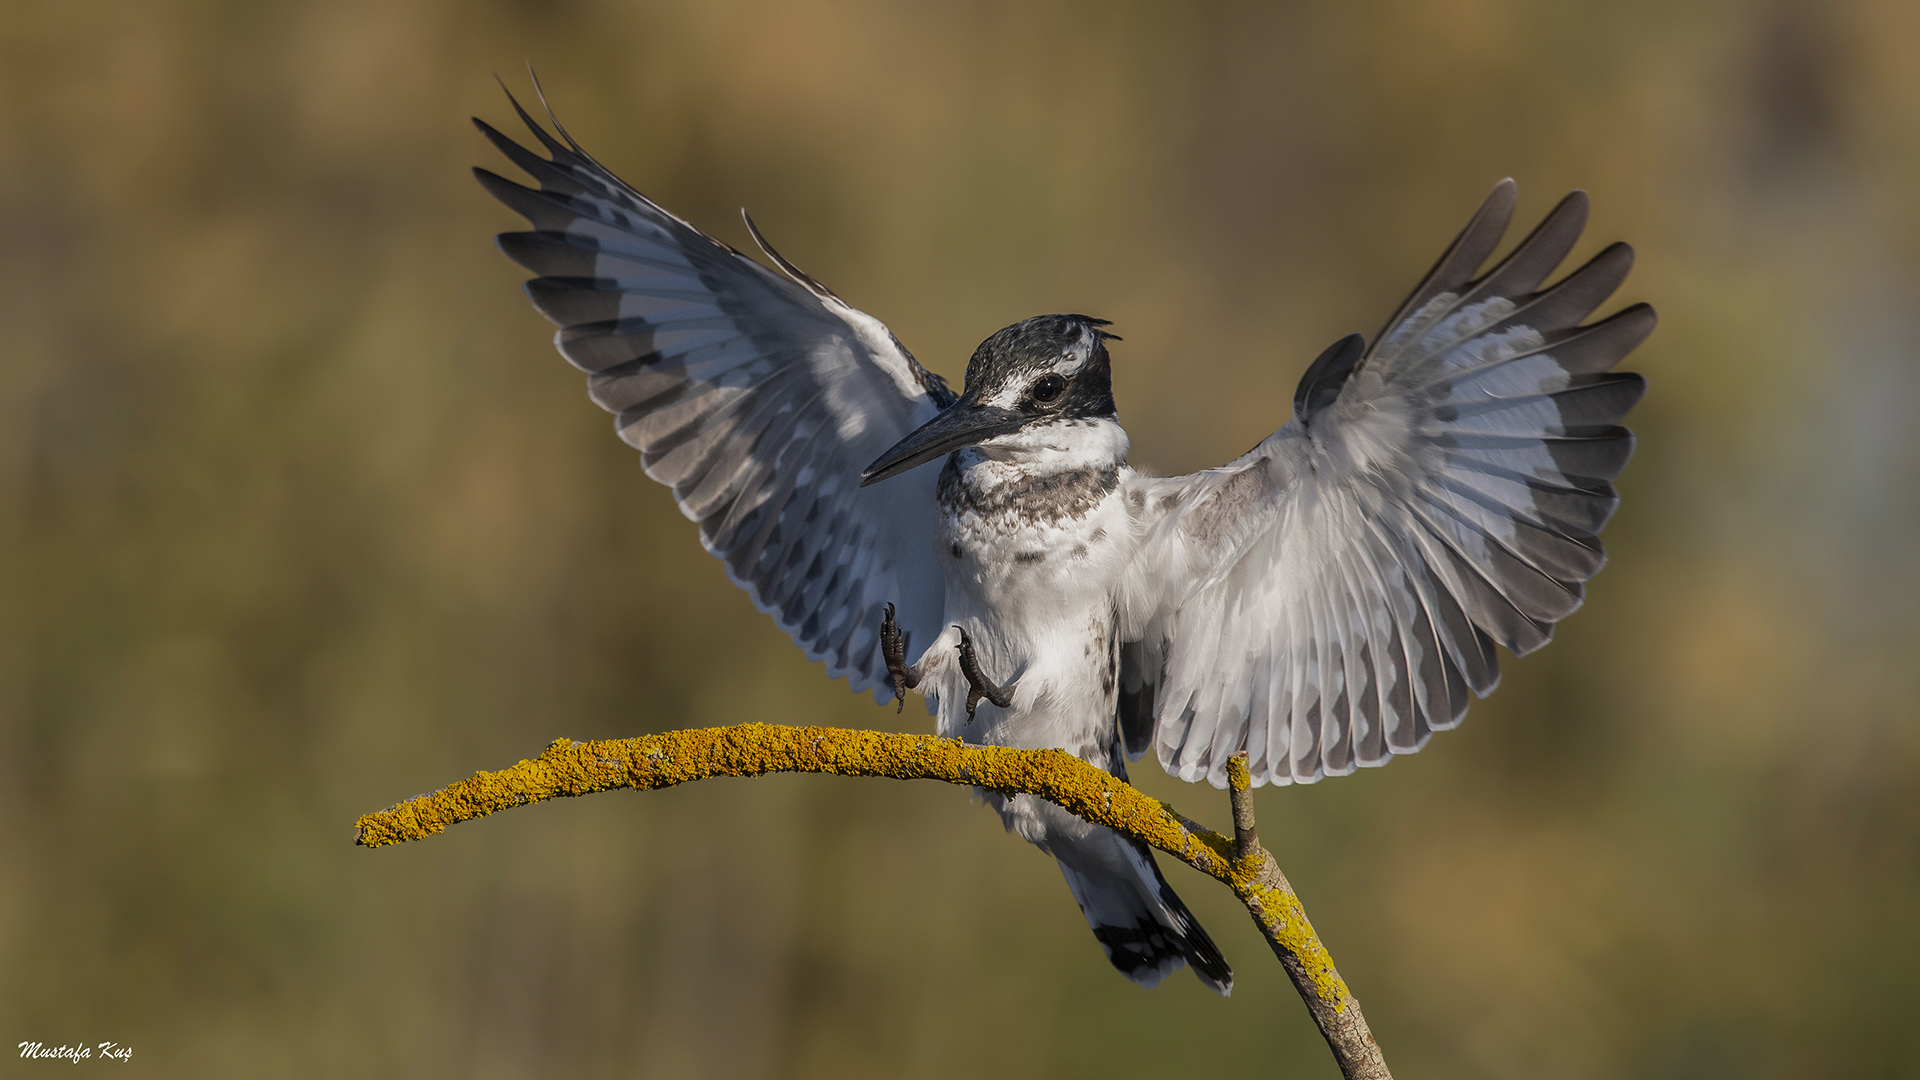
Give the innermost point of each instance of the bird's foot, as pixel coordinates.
(978, 685)
(893, 646)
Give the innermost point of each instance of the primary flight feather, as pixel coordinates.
(1324, 602)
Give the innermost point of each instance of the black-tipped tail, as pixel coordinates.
(1144, 927)
(1208, 965)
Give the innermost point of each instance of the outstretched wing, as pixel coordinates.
(1329, 599)
(758, 399)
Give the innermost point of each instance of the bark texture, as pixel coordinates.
(570, 768)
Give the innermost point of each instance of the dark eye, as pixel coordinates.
(1048, 388)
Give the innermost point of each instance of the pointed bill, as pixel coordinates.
(964, 423)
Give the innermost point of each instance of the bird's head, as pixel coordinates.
(1050, 370)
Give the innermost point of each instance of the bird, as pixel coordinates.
(1326, 601)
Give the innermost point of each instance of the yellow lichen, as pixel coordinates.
(568, 768)
(1239, 778)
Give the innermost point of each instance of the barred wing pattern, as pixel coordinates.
(757, 399)
(1328, 600)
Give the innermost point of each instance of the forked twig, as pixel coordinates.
(569, 768)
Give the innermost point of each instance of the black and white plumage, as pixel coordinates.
(1329, 599)
(1324, 602)
(756, 398)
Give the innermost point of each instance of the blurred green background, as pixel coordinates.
(300, 515)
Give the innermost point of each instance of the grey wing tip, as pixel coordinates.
(555, 147)
(1503, 198)
(804, 279)
(1489, 222)
(541, 93)
(1573, 204)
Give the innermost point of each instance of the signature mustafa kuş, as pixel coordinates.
(77, 1052)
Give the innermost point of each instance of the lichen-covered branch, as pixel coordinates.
(677, 757)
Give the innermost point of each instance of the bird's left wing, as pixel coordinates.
(758, 399)
(1329, 599)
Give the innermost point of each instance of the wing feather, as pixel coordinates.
(756, 398)
(1336, 594)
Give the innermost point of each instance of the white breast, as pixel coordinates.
(1034, 589)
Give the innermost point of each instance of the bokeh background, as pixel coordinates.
(300, 515)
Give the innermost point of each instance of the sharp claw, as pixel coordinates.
(893, 649)
(978, 685)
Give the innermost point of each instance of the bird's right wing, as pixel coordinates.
(758, 399)
(1330, 599)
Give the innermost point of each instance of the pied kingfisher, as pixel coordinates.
(1324, 602)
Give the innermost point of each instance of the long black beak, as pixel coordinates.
(964, 423)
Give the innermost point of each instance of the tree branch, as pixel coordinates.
(569, 768)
